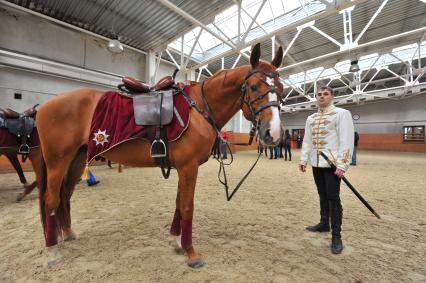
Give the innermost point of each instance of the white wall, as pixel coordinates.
(238, 124)
(30, 35)
(387, 116)
(35, 88)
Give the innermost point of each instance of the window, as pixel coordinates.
(17, 95)
(414, 134)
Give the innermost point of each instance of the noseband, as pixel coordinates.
(245, 97)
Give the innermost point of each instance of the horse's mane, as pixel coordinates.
(225, 72)
(219, 72)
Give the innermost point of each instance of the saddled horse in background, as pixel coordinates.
(12, 124)
(64, 124)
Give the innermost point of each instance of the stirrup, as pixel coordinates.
(161, 148)
(24, 149)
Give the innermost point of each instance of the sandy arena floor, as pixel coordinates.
(259, 236)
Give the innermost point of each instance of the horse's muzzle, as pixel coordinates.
(266, 136)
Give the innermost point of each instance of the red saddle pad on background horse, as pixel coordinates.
(7, 139)
(114, 123)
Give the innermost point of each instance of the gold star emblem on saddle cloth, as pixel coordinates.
(101, 137)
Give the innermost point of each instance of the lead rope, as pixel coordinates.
(220, 160)
(209, 118)
(224, 181)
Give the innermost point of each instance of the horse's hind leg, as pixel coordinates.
(15, 163)
(27, 190)
(35, 158)
(55, 214)
(74, 174)
(187, 179)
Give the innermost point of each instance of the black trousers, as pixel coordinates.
(328, 186)
(287, 148)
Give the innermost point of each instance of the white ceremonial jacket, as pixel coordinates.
(331, 131)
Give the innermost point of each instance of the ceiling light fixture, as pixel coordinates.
(114, 45)
(354, 66)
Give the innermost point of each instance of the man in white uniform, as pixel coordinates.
(331, 131)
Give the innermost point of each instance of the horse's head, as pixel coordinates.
(261, 91)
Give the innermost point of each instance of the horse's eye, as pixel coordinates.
(254, 87)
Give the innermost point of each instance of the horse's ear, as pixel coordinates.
(255, 55)
(278, 58)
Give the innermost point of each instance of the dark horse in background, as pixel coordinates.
(13, 127)
(64, 121)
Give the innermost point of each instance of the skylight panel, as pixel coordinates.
(226, 25)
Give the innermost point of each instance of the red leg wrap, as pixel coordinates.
(175, 228)
(51, 231)
(186, 239)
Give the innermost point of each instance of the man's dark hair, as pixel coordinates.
(325, 87)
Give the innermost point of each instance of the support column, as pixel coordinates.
(150, 67)
(190, 75)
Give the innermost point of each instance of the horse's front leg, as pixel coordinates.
(186, 187)
(175, 228)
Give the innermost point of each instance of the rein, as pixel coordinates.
(244, 99)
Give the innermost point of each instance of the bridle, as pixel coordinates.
(245, 97)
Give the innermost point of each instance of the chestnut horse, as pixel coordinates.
(64, 122)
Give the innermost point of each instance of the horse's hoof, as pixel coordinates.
(71, 237)
(20, 197)
(55, 256)
(54, 261)
(196, 263)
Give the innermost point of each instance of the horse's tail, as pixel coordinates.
(42, 188)
(73, 176)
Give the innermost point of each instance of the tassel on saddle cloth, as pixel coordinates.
(113, 123)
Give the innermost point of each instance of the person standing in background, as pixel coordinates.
(299, 141)
(287, 145)
(224, 144)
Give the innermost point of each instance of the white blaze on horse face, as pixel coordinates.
(275, 122)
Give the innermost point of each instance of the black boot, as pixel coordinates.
(336, 245)
(320, 227)
(336, 226)
(324, 225)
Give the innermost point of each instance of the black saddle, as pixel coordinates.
(19, 124)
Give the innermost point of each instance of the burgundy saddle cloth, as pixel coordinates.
(9, 140)
(113, 123)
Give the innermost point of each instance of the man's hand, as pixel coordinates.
(302, 168)
(339, 173)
